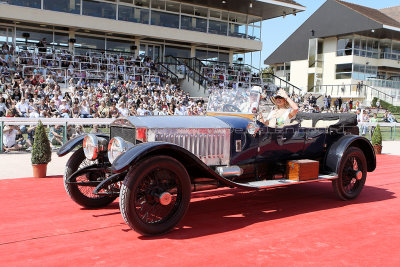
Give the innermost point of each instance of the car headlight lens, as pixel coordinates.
(93, 146)
(253, 128)
(116, 147)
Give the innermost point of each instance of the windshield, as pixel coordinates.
(233, 101)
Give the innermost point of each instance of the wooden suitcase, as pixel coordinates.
(302, 170)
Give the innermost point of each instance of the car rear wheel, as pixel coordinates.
(155, 195)
(352, 174)
(79, 188)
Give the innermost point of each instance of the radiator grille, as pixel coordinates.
(128, 134)
(210, 145)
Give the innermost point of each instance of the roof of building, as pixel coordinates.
(266, 9)
(335, 18)
(374, 14)
(393, 12)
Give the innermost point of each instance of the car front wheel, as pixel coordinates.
(155, 195)
(81, 187)
(352, 174)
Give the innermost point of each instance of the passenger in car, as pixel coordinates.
(283, 113)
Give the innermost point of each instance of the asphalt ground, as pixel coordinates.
(299, 225)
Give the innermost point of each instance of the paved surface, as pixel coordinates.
(18, 164)
(300, 225)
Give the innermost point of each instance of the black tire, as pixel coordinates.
(347, 186)
(138, 202)
(83, 195)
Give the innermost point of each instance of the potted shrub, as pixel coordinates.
(41, 152)
(376, 140)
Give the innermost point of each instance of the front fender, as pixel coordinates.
(71, 144)
(338, 148)
(193, 164)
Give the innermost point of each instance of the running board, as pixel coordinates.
(283, 182)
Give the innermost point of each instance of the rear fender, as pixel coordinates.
(193, 165)
(339, 147)
(71, 144)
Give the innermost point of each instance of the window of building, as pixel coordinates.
(177, 51)
(158, 4)
(173, 7)
(119, 45)
(26, 3)
(133, 14)
(344, 47)
(237, 30)
(92, 42)
(217, 27)
(364, 72)
(99, 9)
(32, 37)
(312, 52)
(142, 3)
(69, 6)
(343, 71)
(61, 39)
(164, 19)
(193, 24)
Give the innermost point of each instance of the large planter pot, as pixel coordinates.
(39, 170)
(378, 149)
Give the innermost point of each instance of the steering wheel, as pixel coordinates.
(231, 108)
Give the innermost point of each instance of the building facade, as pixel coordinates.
(219, 30)
(344, 50)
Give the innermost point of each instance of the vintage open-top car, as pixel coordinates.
(153, 163)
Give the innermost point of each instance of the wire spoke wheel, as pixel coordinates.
(155, 195)
(80, 189)
(352, 174)
(147, 203)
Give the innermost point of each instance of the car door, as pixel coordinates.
(280, 144)
(314, 145)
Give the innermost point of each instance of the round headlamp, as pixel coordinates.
(116, 147)
(93, 146)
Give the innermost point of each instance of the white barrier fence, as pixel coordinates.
(4, 121)
(97, 121)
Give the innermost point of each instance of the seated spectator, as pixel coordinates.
(85, 111)
(3, 107)
(103, 111)
(113, 111)
(391, 117)
(56, 135)
(22, 108)
(96, 129)
(75, 111)
(123, 110)
(10, 139)
(78, 131)
(64, 109)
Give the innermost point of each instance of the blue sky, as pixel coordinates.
(276, 31)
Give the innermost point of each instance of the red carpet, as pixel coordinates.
(299, 225)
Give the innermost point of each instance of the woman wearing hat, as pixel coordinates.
(284, 111)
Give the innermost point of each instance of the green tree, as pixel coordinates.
(41, 150)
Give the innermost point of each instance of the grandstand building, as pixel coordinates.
(344, 50)
(165, 31)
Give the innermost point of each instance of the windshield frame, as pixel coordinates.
(246, 98)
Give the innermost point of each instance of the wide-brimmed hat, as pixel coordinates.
(273, 100)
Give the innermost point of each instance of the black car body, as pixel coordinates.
(154, 163)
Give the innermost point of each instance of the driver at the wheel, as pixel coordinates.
(252, 105)
(283, 113)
